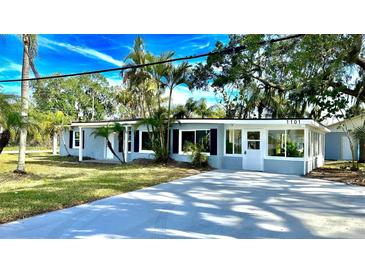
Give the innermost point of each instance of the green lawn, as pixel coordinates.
(16, 148)
(55, 182)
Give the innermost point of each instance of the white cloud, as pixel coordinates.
(11, 66)
(181, 94)
(88, 52)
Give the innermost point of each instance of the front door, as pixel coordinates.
(252, 149)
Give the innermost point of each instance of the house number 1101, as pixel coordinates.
(293, 122)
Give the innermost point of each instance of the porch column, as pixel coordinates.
(306, 144)
(126, 144)
(55, 137)
(80, 145)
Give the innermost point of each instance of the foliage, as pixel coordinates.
(76, 96)
(312, 76)
(157, 128)
(198, 157)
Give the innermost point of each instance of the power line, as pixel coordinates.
(224, 51)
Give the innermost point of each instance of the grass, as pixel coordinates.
(54, 182)
(16, 148)
(339, 171)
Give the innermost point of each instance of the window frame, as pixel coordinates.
(129, 138)
(140, 143)
(270, 157)
(74, 139)
(225, 143)
(181, 151)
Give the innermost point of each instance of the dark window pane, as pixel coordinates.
(129, 140)
(237, 141)
(253, 135)
(77, 138)
(253, 145)
(146, 141)
(203, 138)
(229, 141)
(187, 137)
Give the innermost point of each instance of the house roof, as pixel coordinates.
(266, 121)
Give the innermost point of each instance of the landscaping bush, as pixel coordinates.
(198, 157)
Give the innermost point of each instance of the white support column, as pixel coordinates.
(54, 143)
(80, 145)
(126, 144)
(306, 143)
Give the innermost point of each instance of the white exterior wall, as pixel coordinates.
(96, 147)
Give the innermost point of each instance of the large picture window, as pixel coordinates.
(286, 143)
(146, 142)
(233, 141)
(196, 137)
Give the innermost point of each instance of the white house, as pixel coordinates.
(291, 146)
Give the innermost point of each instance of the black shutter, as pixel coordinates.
(136, 141)
(213, 141)
(175, 141)
(121, 141)
(83, 139)
(71, 139)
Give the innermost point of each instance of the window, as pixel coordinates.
(276, 146)
(203, 138)
(196, 137)
(286, 143)
(146, 143)
(253, 140)
(187, 137)
(77, 139)
(295, 143)
(233, 141)
(129, 139)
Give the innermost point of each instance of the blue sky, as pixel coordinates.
(75, 53)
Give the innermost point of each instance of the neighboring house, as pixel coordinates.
(337, 142)
(290, 146)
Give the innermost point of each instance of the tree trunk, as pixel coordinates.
(362, 150)
(64, 144)
(168, 124)
(112, 150)
(24, 103)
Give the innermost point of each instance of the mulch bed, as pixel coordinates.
(339, 175)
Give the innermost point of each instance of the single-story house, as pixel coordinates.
(290, 146)
(337, 141)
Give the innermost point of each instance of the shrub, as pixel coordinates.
(198, 158)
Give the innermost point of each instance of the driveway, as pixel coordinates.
(216, 204)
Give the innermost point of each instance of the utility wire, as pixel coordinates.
(224, 51)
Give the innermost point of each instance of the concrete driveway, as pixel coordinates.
(216, 204)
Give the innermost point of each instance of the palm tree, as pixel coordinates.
(6, 118)
(105, 132)
(117, 128)
(359, 135)
(202, 109)
(30, 46)
(174, 76)
(55, 123)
